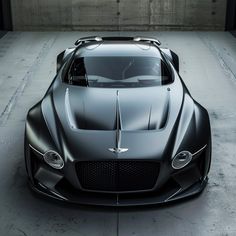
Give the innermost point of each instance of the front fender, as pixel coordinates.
(194, 127)
(36, 131)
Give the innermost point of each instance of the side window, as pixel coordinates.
(77, 73)
(166, 72)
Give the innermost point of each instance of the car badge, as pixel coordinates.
(118, 150)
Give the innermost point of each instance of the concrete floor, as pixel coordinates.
(208, 67)
(2, 33)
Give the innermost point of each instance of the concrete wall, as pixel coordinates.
(118, 14)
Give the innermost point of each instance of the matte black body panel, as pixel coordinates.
(81, 124)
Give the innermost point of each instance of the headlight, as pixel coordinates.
(181, 160)
(53, 159)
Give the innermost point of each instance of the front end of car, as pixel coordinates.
(117, 182)
(148, 175)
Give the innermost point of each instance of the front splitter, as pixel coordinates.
(152, 198)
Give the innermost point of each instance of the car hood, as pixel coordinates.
(83, 121)
(95, 109)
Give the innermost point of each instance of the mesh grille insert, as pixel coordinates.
(117, 176)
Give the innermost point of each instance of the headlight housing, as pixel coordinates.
(181, 160)
(53, 159)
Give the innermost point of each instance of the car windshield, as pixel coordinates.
(119, 72)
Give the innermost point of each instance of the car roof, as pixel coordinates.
(118, 48)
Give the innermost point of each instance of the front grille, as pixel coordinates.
(117, 176)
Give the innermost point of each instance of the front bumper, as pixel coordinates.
(179, 184)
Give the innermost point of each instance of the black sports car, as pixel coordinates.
(117, 126)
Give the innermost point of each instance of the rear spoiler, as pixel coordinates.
(154, 41)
